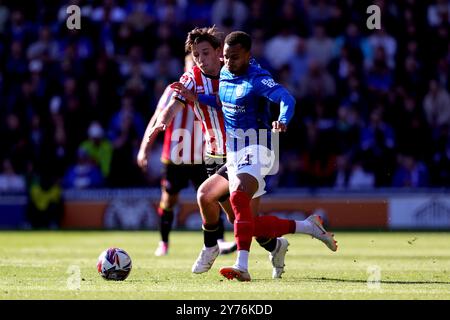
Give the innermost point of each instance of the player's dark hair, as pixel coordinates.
(212, 35)
(239, 37)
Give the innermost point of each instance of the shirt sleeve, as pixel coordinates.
(165, 98)
(188, 81)
(211, 100)
(265, 86)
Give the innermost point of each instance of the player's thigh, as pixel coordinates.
(175, 178)
(213, 188)
(245, 182)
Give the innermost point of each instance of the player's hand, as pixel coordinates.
(142, 159)
(179, 88)
(278, 126)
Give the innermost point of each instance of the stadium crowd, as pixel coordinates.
(373, 106)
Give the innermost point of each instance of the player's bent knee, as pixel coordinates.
(205, 196)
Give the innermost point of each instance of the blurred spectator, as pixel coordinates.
(233, 12)
(352, 174)
(16, 66)
(410, 173)
(379, 76)
(437, 105)
(347, 131)
(135, 65)
(44, 46)
(46, 205)
(299, 62)
(285, 39)
(320, 46)
(438, 13)
(258, 45)
(199, 12)
(258, 13)
(109, 11)
(4, 15)
(381, 38)
(440, 165)
(127, 111)
(10, 181)
(19, 28)
(319, 11)
(141, 14)
(13, 142)
(317, 160)
(98, 148)
(125, 131)
(317, 83)
(410, 128)
(84, 174)
(377, 145)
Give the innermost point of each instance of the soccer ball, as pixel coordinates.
(114, 264)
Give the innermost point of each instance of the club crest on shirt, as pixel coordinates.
(239, 90)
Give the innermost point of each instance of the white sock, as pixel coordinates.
(303, 227)
(242, 260)
(210, 248)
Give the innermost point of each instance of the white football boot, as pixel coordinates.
(277, 257)
(205, 259)
(319, 232)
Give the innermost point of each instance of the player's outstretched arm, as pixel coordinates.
(159, 122)
(145, 147)
(265, 86)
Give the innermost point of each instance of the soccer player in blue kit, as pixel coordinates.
(249, 139)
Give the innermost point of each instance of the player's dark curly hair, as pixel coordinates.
(239, 37)
(211, 35)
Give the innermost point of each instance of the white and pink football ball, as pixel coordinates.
(114, 264)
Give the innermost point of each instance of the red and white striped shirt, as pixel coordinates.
(211, 119)
(183, 139)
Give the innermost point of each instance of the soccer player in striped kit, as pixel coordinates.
(183, 162)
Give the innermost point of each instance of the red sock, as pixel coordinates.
(272, 227)
(243, 224)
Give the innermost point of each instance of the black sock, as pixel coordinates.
(267, 243)
(165, 225)
(221, 231)
(210, 235)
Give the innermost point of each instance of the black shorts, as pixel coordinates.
(217, 165)
(176, 177)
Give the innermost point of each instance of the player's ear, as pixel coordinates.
(248, 56)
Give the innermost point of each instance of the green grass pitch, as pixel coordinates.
(62, 265)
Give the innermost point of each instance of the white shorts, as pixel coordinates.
(255, 160)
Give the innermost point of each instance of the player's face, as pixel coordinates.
(206, 57)
(236, 58)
